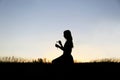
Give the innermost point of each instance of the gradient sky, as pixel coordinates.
(30, 28)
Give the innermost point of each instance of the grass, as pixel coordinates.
(39, 69)
(13, 59)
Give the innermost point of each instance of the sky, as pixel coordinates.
(30, 28)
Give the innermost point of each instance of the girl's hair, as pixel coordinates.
(67, 34)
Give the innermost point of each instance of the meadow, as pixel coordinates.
(40, 69)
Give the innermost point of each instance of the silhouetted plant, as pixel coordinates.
(39, 60)
(108, 60)
(12, 59)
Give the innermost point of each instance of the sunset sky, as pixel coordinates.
(30, 28)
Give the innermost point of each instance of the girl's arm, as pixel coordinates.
(60, 43)
(61, 47)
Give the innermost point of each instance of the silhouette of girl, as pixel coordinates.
(66, 57)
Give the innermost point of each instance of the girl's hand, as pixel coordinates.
(56, 45)
(59, 42)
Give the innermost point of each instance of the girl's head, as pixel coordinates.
(67, 35)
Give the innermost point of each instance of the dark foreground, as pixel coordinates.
(76, 71)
